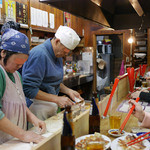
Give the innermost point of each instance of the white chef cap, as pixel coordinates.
(68, 37)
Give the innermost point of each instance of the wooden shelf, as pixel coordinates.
(141, 39)
(141, 45)
(43, 29)
(138, 51)
(139, 60)
(24, 26)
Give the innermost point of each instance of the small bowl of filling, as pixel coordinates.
(116, 133)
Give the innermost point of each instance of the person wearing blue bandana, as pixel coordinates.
(14, 113)
(43, 74)
(10, 25)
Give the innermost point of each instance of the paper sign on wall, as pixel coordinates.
(52, 20)
(88, 56)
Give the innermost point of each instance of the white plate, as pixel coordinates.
(116, 135)
(115, 145)
(103, 136)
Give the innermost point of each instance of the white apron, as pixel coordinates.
(13, 104)
(43, 109)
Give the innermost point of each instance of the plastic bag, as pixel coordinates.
(101, 82)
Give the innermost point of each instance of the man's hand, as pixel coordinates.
(138, 111)
(74, 94)
(63, 101)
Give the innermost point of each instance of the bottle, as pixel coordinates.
(140, 82)
(94, 118)
(137, 84)
(111, 85)
(70, 117)
(75, 68)
(96, 98)
(67, 139)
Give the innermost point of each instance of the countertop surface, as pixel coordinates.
(77, 79)
(54, 127)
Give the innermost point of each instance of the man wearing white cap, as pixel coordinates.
(43, 74)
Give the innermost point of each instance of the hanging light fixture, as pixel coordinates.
(131, 38)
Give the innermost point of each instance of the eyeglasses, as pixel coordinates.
(66, 50)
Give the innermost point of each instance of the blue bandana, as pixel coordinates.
(13, 40)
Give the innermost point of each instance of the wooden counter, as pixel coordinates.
(81, 123)
(104, 123)
(53, 136)
(120, 94)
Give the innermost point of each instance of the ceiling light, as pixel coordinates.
(130, 40)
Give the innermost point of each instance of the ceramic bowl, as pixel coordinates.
(114, 132)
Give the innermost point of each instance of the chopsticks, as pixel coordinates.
(128, 116)
(111, 95)
(137, 140)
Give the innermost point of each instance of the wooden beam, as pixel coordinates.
(136, 5)
(97, 2)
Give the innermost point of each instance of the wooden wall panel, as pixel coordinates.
(80, 26)
(77, 23)
(148, 50)
(90, 27)
(88, 34)
(58, 18)
(126, 45)
(73, 22)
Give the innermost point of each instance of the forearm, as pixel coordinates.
(141, 116)
(30, 115)
(64, 89)
(46, 97)
(8, 127)
(146, 120)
